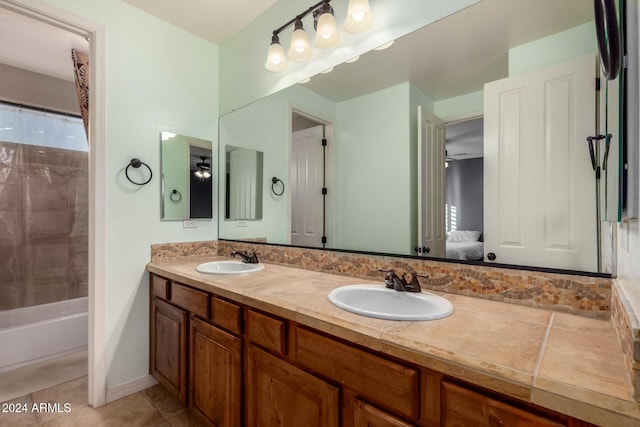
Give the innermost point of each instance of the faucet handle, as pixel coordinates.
(388, 278)
(414, 284)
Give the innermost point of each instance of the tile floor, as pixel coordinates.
(54, 393)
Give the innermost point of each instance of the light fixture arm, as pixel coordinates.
(300, 16)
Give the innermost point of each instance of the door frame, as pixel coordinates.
(95, 33)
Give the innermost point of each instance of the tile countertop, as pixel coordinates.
(570, 364)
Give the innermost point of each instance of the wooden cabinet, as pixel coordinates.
(215, 374)
(280, 394)
(168, 347)
(235, 365)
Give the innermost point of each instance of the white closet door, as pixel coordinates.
(431, 185)
(539, 186)
(307, 173)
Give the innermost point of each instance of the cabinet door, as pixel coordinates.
(366, 415)
(463, 407)
(215, 374)
(279, 394)
(168, 347)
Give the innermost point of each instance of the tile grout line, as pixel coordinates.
(543, 347)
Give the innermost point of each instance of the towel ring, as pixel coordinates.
(274, 181)
(136, 163)
(175, 196)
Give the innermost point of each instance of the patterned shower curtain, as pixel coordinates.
(81, 71)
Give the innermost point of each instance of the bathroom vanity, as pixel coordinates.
(248, 349)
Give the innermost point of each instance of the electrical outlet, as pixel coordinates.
(241, 223)
(187, 223)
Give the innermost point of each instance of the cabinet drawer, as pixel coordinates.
(463, 407)
(383, 382)
(227, 315)
(159, 287)
(266, 331)
(192, 300)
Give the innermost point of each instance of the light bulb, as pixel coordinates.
(276, 60)
(359, 17)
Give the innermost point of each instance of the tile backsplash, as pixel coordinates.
(581, 295)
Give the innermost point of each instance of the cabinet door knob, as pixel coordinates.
(491, 256)
(426, 249)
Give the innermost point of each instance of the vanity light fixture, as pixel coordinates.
(354, 59)
(359, 17)
(327, 71)
(326, 36)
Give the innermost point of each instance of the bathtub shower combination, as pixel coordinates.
(43, 235)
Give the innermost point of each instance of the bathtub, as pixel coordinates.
(32, 334)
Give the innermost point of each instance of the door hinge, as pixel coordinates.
(597, 84)
(324, 191)
(324, 142)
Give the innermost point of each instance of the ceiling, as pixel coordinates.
(213, 20)
(35, 46)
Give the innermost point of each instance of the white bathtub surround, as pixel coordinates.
(34, 334)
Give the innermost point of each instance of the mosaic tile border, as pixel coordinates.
(162, 251)
(580, 295)
(628, 329)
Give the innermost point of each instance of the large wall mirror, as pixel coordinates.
(187, 177)
(466, 140)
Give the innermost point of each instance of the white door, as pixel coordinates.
(307, 174)
(431, 185)
(539, 184)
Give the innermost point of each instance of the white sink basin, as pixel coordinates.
(378, 301)
(228, 267)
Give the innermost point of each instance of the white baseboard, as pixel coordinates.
(131, 387)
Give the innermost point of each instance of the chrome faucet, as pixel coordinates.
(393, 281)
(247, 258)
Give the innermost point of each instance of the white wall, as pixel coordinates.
(158, 78)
